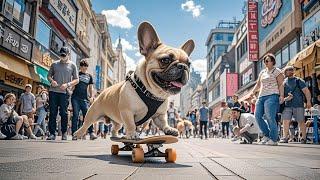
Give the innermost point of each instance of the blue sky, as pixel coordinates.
(174, 20)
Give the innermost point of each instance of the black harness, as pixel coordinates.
(152, 102)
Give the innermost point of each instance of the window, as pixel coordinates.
(110, 72)
(56, 43)
(219, 37)
(278, 59)
(43, 33)
(19, 11)
(293, 49)
(285, 54)
(230, 37)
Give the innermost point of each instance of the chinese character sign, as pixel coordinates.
(253, 41)
(232, 83)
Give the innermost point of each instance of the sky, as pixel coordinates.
(175, 21)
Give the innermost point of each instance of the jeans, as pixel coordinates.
(58, 101)
(267, 106)
(205, 125)
(225, 125)
(42, 113)
(77, 105)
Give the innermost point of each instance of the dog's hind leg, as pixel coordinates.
(115, 128)
(91, 117)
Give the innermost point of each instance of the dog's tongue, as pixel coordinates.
(177, 84)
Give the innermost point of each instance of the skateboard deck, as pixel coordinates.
(153, 144)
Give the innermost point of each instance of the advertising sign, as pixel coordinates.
(253, 40)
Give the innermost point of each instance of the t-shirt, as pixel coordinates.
(171, 113)
(41, 99)
(5, 111)
(269, 84)
(81, 89)
(236, 104)
(295, 86)
(204, 113)
(28, 101)
(225, 114)
(247, 118)
(62, 73)
(193, 117)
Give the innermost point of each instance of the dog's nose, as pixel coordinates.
(181, 66)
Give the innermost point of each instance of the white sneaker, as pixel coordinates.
(264, 140)
(2, 136)
(272, 143)
(17, 137)
(32, 136)
(235, 138)
(24, 137)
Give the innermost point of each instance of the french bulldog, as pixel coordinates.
(164, 71)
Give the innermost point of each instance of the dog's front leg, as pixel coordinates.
(162, 123)
(129, 125)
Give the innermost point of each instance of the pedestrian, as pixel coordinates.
(11, 122)
(80, 99)
(271, 93)
(247, 126)
(193, 119)
(225, 118)
(235, 99)
(246, 107)
(28, 104)
(172, 115)
(203, 119)
(63, 74)
(294, 90)
(41, 104)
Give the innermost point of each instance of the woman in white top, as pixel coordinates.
(271, 93)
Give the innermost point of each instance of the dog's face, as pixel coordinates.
(166, 68)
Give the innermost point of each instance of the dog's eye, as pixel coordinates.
(165, 60)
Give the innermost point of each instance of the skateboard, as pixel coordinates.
(153, 144)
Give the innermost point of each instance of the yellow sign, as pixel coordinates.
(13, 79)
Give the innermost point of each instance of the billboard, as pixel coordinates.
(232, 83)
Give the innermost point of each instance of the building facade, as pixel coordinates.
(120, 64)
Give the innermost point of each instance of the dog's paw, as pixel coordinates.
(133, 135)
(79, 133)
(171, 131)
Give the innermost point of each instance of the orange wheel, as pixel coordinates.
(115, 149)
(171, 155)
(137, 155)
(138, 146)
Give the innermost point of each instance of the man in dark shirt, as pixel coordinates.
(235, 99)
(80, 98)
(62, 75)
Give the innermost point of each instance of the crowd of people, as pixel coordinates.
(278, 101)
(277, 98)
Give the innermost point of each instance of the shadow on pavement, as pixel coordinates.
(126, 160)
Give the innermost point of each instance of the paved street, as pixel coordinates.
(206, 159)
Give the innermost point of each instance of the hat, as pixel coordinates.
(28, 85)
(236, 109)
(64, 51)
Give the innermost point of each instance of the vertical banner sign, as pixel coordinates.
(253, 41)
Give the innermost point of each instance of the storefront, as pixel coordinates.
(279, 30)
(15, 58)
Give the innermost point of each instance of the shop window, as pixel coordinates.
(293, 49)
(285, 54)
(56, 43)
(43, 33)
(278, 59)
(19, 11)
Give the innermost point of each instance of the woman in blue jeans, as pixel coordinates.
(271, 94)
(41, 100)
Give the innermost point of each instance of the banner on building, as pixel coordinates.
(253, 40)
(232, 83)
(98, 77)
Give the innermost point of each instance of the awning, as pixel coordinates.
(43, 73)
(15, 65)
(310, 56)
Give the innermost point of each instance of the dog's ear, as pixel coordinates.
(188, 46)
(148, 38)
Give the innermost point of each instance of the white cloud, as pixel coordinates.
(131, 63)
(200, 65)
(189, 6)
(126, 46)
(118, 17)
(138, 54)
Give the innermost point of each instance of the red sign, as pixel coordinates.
(252, 21)
(232, 83)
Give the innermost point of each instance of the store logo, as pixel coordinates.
(270, 10)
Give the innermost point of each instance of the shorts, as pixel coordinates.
(293, 112)
(29, 114)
